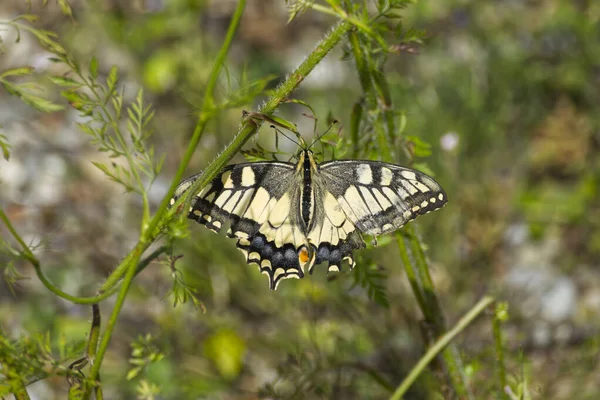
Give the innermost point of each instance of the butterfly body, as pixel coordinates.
(287, 217)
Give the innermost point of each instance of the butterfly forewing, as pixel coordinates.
(380, 197)
(287, 218)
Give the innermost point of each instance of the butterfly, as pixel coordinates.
(289, 217)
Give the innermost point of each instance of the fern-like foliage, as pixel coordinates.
(372, 278)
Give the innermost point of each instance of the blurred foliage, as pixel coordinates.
(498, 100)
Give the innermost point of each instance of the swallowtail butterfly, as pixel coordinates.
(287, 217)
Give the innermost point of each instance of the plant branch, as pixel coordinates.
(107, 289)
(500, 315)
(440, 345)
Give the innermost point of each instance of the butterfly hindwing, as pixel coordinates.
(335, 236)
(380, 197)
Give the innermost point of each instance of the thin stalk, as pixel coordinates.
(92, 344)
(106, 290)
(384, 100)
(340, 13)
(435, 317)
(361, 64)
(112, 321)
(434, 314)
(499, 348)
(439, 345)
(331, 39)
(410, 271)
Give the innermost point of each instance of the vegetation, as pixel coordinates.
(494, 100)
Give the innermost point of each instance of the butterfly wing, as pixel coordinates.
(256, 201)
(334, 236)
(379, 197)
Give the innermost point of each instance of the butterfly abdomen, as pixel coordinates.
(307, 193)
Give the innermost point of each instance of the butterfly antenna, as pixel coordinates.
(300, 144)
(335, 121)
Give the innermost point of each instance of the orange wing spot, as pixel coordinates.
(303, 255)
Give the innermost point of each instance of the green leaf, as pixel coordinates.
(102, 167)
(112, 79)
(17, 72)
(372, 278)
(27, 17)
(78, 101)
(93, 69)
(401, 124)
(302, 103)
(419, 147)
(133, 372)
(159, 164)
(40, 103)
(272, 119)
(5, 147)
(65, 8)
(64, 81)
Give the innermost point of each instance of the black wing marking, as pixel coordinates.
(380, 197)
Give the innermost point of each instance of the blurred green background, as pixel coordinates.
(506, 92)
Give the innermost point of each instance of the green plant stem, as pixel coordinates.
(112, 321)
(439, 345)
(499, 348)
(434, 316)
(297, 76)
(107, 289)
(410, 270)
(432, 311)
(93, 338)
(351, 19)
(361, 64)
